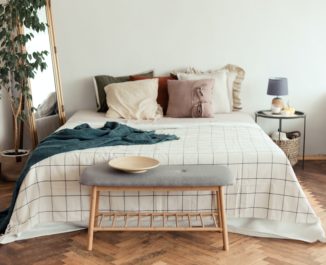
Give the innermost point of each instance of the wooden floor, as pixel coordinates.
(174, 248)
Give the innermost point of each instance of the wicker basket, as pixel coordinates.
(290, 147)
(11, 165)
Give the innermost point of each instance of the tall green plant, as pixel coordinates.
(16, 64)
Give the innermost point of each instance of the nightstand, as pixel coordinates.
(267, 114)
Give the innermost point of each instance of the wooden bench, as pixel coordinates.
(164, 178)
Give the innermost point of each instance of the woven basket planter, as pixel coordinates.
(11, 164)
(291, 148)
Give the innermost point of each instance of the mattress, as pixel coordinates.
(97, 119)
(266, 199)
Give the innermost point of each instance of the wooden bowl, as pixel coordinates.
(134, 164)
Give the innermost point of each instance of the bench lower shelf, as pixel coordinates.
(157, 221)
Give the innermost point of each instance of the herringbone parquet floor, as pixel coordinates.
(175, 248)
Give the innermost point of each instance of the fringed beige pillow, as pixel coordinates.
(236, 87)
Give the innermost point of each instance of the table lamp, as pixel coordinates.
(277, 86)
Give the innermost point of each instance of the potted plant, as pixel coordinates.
(17, 66)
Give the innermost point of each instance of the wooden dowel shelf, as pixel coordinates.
(157, 221)
(147, 228)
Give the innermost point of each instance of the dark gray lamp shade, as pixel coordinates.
(277, 86)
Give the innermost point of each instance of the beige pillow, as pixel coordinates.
(221, 99)
(235, 77)
(133, 100)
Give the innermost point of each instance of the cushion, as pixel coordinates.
(163, 96)
(100, 81)
(235, 77)
(220, 92)
(162, 176)
(133, 100)
(190, 98)
(47, 107)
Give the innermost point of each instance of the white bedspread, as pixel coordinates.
(266, 199)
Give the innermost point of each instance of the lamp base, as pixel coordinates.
(277, 105)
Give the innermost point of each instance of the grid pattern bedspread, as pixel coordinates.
(266, 186)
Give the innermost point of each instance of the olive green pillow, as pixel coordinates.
(101, 81)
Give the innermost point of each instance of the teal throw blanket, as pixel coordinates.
(79, 138)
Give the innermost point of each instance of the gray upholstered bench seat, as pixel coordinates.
(162, 176)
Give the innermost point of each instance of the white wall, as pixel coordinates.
(266, 38)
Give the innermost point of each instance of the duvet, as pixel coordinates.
(266, 199)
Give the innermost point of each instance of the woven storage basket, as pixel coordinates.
(290, 147)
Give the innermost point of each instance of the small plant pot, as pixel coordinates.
(12, 163)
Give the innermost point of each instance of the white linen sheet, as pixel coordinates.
(266, 199)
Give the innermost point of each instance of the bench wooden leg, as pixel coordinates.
(93, 211)
(97, 207)
(223, 218)
(218, 206)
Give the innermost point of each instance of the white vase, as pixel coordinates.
(12, 164)
(276, 109)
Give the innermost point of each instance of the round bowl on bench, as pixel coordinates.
(134, 164)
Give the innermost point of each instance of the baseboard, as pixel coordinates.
(313, 157)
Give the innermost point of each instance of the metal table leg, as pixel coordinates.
(279, 129)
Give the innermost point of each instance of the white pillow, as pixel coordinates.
(133, 100)
(221, 91)
(231, 76)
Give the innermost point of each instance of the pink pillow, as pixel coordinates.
(190, 98)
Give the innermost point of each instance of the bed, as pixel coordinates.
(266, 200)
